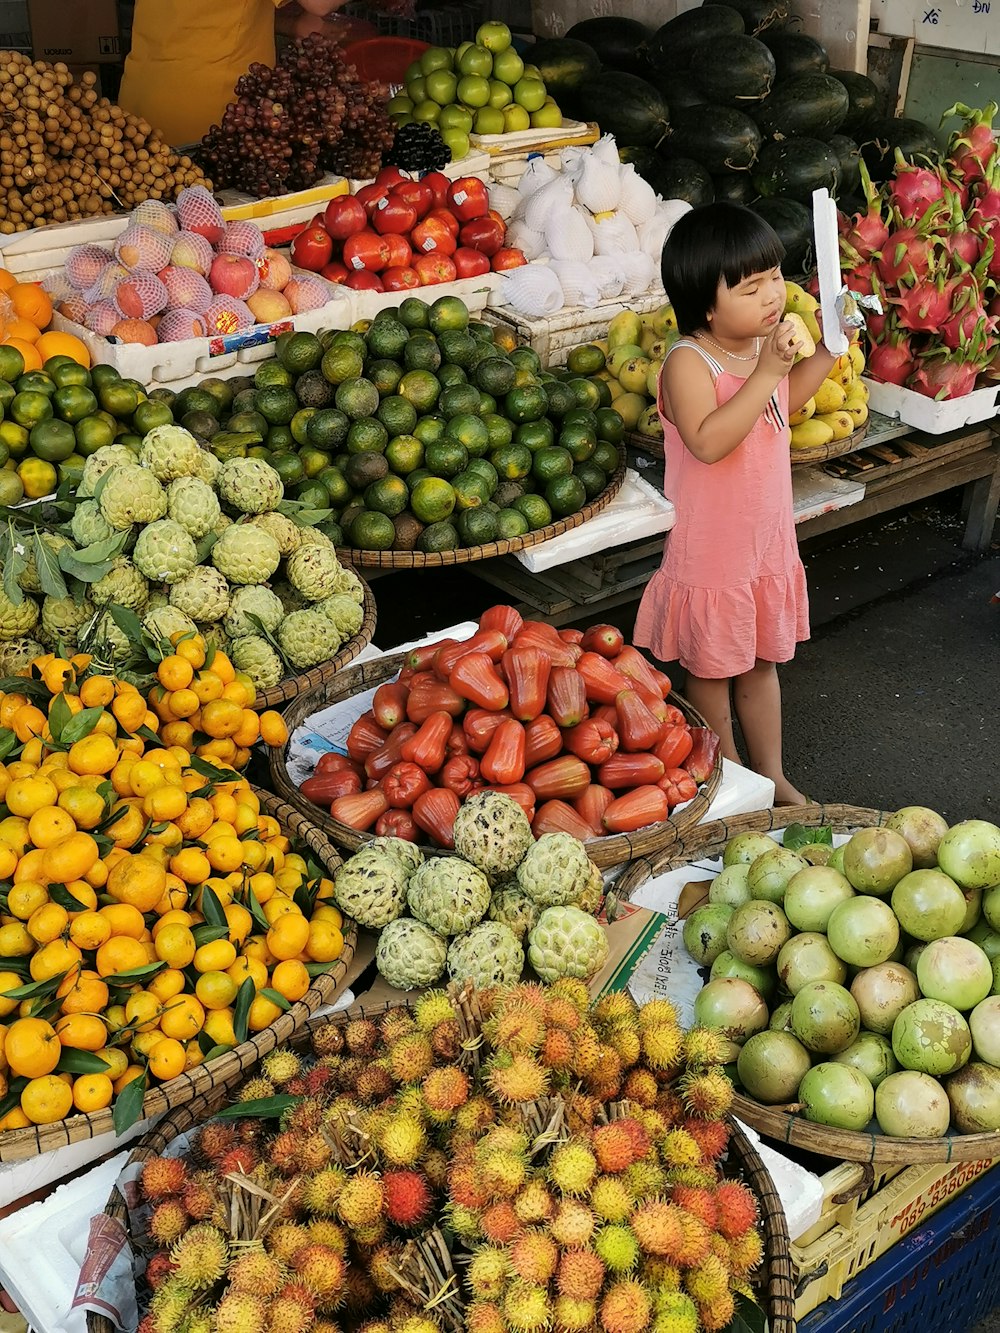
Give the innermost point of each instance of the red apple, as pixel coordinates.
(369, 196)
(400, 279)
(434, 269)
(438, 184)
(312, 248)
(497, 217)
(394, 215)
(367, 250)
(335, 271)
(364, 281)
(344, 216)
(447, 217)
(400, 253)
(391, 176)
(417, 193)
(470, 263)
(468, 198)
(432, 234)
(483, 234)
(507, 258)
(234, 275)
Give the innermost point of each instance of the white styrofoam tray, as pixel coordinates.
(18, 1179)
(570, 131)
(937, 418)
(815, 492)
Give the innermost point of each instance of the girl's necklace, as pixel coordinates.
(735, 355)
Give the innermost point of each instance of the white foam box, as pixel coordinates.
(553, 337)
(19, 1179)
(937, 418)
(475, 292)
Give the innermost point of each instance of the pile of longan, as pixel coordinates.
(67, 153)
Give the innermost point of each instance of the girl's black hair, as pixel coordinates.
(719, 242)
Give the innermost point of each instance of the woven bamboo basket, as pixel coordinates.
(776, 1277)
(463, 555)
(18, 1144)
(821, 453)
(614, 850)
(294, 686)
(775, 1122)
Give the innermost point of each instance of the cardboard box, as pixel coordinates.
(83, 33)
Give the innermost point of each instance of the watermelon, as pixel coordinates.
(849, 155)
(679, 88)
(564, 63)
(734, 187)
(672, 46)
(814, 105)
(626, 106)
(913, 138)
(795, 53)
(795, 167)
(719, 137)
(793, 223)
(734, 69)
(760, 15)
(862, 96)
(672, 178)
(620, 42)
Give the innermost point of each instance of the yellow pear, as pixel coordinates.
(798, 301)
(804, 336)
(648, 320)
(811, 323)
(857, 355)
(630, 407)
(650, 424)
(841, 423)
(660, 348)
(664, 320)
(616, 390)
(624, 329)
(619, 356)
(811, 434)
(858, 412)
(632, 375)
(806, 411)
(857, 393)
(653, 378)
(830, 397)
(647, 341)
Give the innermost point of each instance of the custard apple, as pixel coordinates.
(122, 585)
(513, 908)
(250, 486)
(409, 954)
(163, 621)
(487, 955)
(448, 894)
(314, 537)
(88, 524)
(170, 452)
(105, 639)
(349, 583)
(555, 871)
(253, 599)
(567, 943)
(203, 594)
(307, 638)
(209, 468)
(312, 571)
(371, 887)
(17, 655)
(99, 462)
(492, 831)
(252, 654)
(17, 621)
(593, 894)
(28, 578)
(63, 618)
(287, 534)
(245, 554)
(164, 551)
(193, 504)
(130, 495)
(214, 637)
(290, 599)
(344, 612)
(408, 854)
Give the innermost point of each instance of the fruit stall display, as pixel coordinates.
(25, 326)
(854, 973)
(156, 911)
(461, 1216)
(575, 727)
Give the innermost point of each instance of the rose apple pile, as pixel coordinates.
(398, 234)
(574, 726)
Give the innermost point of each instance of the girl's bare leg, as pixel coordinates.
(757, 699)
(712, 700)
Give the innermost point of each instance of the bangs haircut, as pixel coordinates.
(716, 243)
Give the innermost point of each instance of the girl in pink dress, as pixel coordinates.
(729, 600)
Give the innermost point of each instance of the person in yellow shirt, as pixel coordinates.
(187, 55)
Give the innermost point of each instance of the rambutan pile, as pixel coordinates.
(570, 1151)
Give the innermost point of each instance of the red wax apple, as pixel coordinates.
(438, 184)
(468, 198)
(344, 216)
(370, 196)
(432, 235)
(390, 176)
(417, 193)
(335, 271)
(363, 280)
(366, 249)
(395, 215)
(400, 279)
(400, 253)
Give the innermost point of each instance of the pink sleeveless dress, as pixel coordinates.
(731, 588)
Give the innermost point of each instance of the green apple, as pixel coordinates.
(508, 66)
(489, 120)
(414, 71)
(495, 36)
(441, 86)
(515, 118)
(460, 51)
(455, 117)
(399, 104)
(547, 117)
(426, 111)
(530, 93)
(500, 94)
(416, 90)
(474, 90)
(457, 143)
(435, 57)
(477, 60)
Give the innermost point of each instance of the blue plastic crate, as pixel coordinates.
(943, 1278)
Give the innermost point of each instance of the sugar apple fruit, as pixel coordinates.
(593, 894)
(371, 887)
(448, 894)
(28, 578)
(99, 462)
(17, 655)
(209, 468)
(122, 585)
(487, 955)
(408, 854)
(250, 486)
(164, 551)
(193, 504)
(245, 554)
(409, 954)
(253, 599)
(315, 537)
(287, 534)
(170, 452)
(290, 599)
(214, 637)
(312, 571)
(307, 638)
(492, 831)
(164, 621)
(252, 654)
(131, 494)
(203, 594)
(17, 620)
(103, 637)
(88, 525)
(567, 943)
(62, 619)
(555, 870)
(344, 612)
(515, 909)
(349, 583)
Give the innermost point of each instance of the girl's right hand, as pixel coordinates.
(777, 356)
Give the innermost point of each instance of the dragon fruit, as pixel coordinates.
(942, 374)
(972, 150)
(928, 307)
(864, 235)
(907, 255)
(915, 191)
(892, 361)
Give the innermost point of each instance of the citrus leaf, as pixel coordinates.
(213, 1052)
(80, 725)
(317, 969)
(47, 565)
(47, 987)
(241, 1010)
(276, 998)
(128, 1104)
(81, 1062)
(98, 552)
(135, 974)
(8, 742)
(264, 1107)
(303, 900)
(32, 686)
(209, 771)
(13, 1097)
(211, 908)
(62, 896)
(256, 911)
(59, 718)
(127, 621)
(206, 934)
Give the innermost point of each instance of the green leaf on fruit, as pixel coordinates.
(269, 1108)
(748, 1317)
(47, 565)
(128, 1104)
(241, 1010)
(80, 725)
(798, 835)
(81, 1062)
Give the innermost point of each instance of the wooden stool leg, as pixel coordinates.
(984, 499)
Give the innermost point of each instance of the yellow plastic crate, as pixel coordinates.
(865, 1215)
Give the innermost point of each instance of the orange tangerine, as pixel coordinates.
(124, 919)
(279, 905)
(120, 954)
(84, 993)
(26, 897)
(191, 865)
(96, 753)
(24, 330)
(139, 881)
(166, 984)
(166, 803)
(175, 672)
(46, 1099)
(215, 990)
(219, 1027)
(129, 710)
(191, 647)
(56, 343)
(183, 1017)
(83, 892)
(49, 825)
(263, 1012)
(15, 942)
(132, 1072)
(115, 1058)
(26, 795)
(84, 1032)
(72, 857)
(175, 945)
(256, 948)
(28, 350)
(15, 1119)
(290, 979)
(8, 981)
(83, 805)
(167, 1059)
(245, 967)
(221, 718)
(142, 1011)
(92, 1092)
(225, 853)
(97, 691)
(30, 866)
(215, 956)
(326, 941)
(32, 1047)
(7, 280)
(47, 923)
(289, 935)
(53, 959)
(31, 302)
(239, 920)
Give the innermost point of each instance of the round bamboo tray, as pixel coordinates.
(19, 1144)
(614, 850)
(775, 1279)
(774, 1122)
(462, 555)
(822, 453)
(293, 686)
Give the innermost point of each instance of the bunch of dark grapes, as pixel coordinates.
(418, 147)
(290, 125)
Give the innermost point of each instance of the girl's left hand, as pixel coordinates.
(781, 346)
